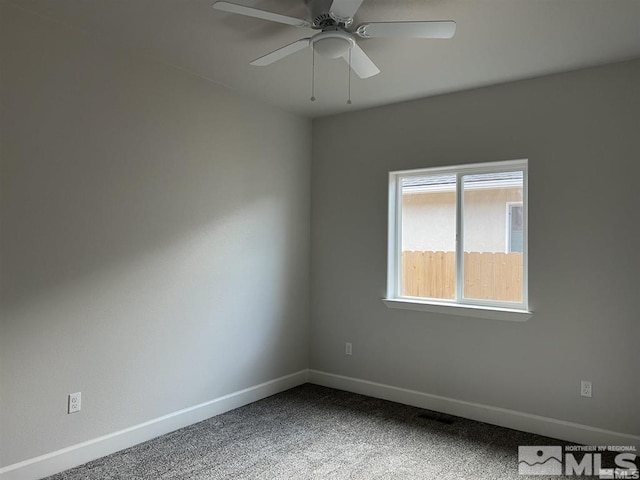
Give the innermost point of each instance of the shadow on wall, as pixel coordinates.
(153, 227)
(106, 157)
(124, 277)
(67, 214)
(133, 237)
(137, 327)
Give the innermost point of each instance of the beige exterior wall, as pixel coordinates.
(428, 220)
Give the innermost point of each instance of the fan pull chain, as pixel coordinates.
(313, 74)
(349, 93)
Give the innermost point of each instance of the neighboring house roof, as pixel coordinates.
(447, 179)
(443, 183)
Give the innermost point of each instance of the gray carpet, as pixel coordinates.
(312, 432)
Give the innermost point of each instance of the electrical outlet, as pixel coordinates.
(347, 348)
(75, 402)
(585, 388)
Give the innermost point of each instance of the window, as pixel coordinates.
(448, 251)
(515, 227)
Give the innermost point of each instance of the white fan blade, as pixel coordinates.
(263, 14)
(361, 63)
(280, 53)
(345, 8)
(444, 29)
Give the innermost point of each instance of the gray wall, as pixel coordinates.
(581, 134)
(155, 239)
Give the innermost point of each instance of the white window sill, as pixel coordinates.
(492, 313)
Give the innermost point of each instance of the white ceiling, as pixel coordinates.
(495, 41)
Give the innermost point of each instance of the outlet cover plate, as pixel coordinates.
(75, 402)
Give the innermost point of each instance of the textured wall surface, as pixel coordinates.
(580, 133)
(155, 239)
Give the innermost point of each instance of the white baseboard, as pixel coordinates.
(550, 427)
(60, 460)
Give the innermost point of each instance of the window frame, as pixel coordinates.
(459, 305)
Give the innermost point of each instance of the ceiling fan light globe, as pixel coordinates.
(332, 47)
(333, 43)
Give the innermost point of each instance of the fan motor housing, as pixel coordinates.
(319, 11)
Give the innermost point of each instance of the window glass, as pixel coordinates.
(429, 236)
(491, 270)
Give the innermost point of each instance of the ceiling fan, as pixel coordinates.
(337, 38)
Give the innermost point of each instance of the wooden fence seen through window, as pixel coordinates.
(487, 275)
